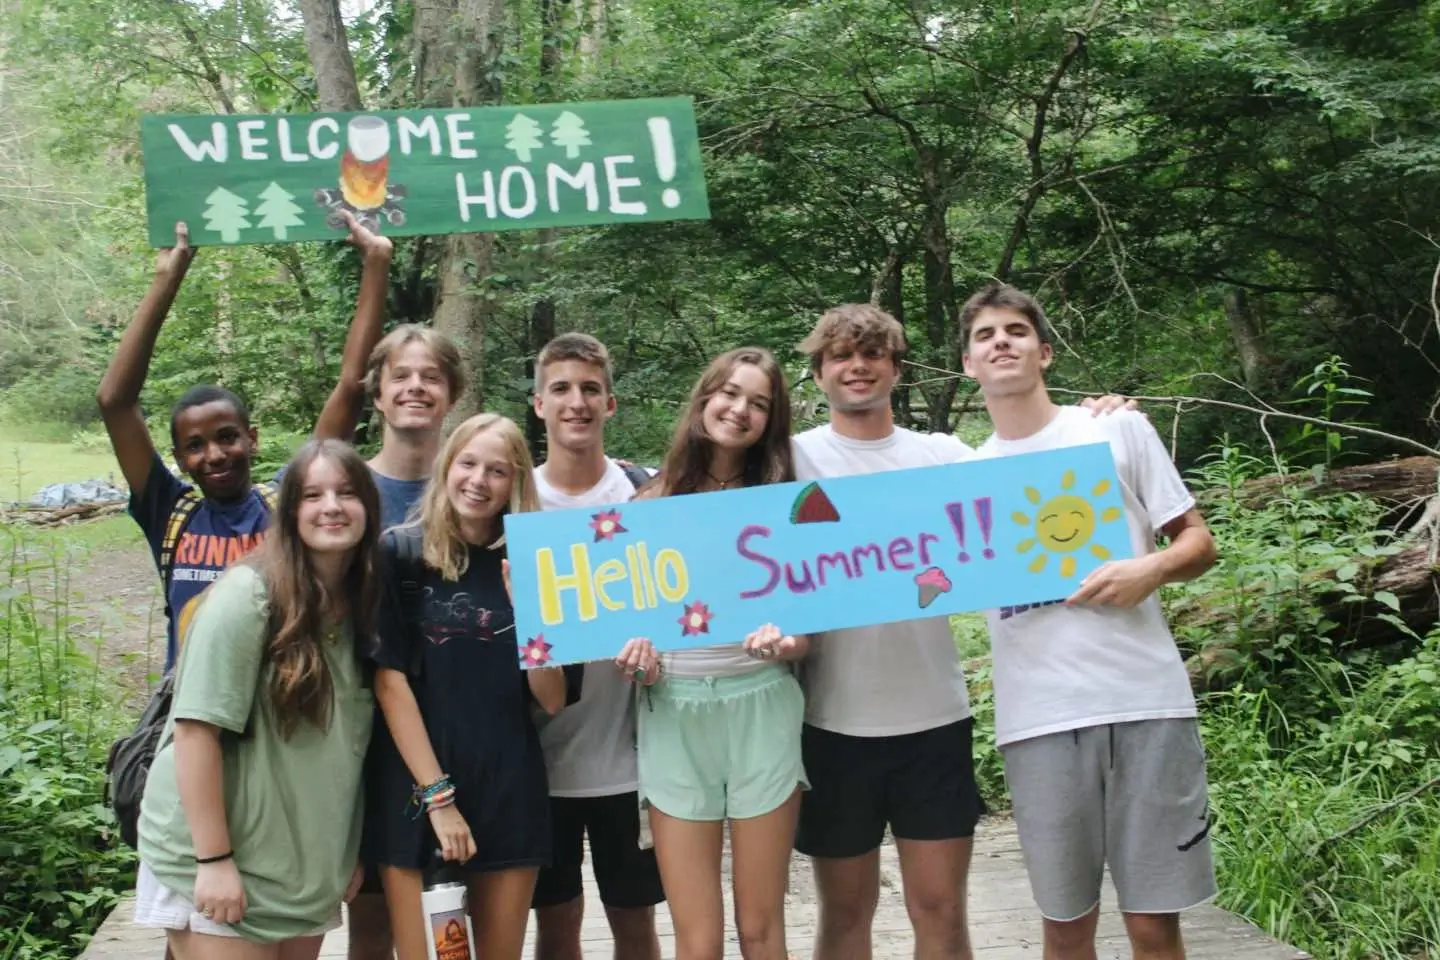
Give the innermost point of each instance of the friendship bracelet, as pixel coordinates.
(222, 857)
(439, 794)
(440, 800)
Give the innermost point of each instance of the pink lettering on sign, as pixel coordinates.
(835, 566)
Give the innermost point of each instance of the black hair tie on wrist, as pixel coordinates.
(224, 856)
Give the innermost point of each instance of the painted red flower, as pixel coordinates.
(606, 524)
(536, 652)
(695, 620)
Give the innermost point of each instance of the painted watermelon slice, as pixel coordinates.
(813, 506)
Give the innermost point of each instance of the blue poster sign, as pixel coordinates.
(845, 552)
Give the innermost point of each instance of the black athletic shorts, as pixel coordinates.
(921, 784)
(626, 875)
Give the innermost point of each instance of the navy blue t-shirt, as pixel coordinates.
(215, 536)
(396, 498)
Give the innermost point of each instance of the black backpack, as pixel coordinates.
(128, 765)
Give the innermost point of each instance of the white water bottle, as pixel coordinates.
(448, 932)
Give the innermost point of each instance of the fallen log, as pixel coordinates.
(56, 516)
(1405, 483)
(1411, 576)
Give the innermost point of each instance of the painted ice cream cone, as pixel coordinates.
(932, 582)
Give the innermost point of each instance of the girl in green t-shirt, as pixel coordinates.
(250, 823)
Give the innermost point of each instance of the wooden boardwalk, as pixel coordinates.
(1003, 921)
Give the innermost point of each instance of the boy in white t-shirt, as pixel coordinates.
(1093, 709)
(590, 746)
(887, 735)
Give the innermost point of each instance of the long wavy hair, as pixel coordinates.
(301, 688)
(444, 548)
(769, 460)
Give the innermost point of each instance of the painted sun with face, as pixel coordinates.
(1064, 524)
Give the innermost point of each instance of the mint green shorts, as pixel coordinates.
(719, 748)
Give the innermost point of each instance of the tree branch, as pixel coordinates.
(1376, 814)
(1074, 47)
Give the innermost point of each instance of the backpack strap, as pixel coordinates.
(269, 495)
(638, 476)
(409, 561)
(180, 514)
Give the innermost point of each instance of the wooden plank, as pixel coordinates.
(1003, 922)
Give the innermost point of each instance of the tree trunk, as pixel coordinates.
(329, 51)
(457, 44)
(593, 15)
(1246, 333)
(540, 326)
(942, 318)
(892, 300)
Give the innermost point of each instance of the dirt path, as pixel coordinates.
(115, 595)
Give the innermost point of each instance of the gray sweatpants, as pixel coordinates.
(1130, 795)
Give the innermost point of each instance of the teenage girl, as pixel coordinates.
(250, 823)
(719, 727)
(457, 765)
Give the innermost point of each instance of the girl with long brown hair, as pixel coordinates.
(719, 732)
(250, 824)
(457, 764)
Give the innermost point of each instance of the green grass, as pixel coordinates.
(34, 455)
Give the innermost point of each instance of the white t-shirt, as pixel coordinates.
(1059, 668)
(895, 678)
(590, 745)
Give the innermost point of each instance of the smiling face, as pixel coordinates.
(413, 392)
(331, 515)
(214, 446)
(736, 415)
(479, 482)
(857, 377)
(1004, 353)
(1065, 523)
(575, 403)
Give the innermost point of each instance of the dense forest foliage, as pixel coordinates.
(1235, 202)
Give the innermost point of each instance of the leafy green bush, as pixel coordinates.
(61, 865)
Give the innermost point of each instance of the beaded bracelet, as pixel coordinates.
(427, 799)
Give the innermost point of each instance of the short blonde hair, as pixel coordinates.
(444, 548)
(445, 351)
(575, 346)
(859, 324)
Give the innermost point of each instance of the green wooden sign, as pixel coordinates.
(279, 178)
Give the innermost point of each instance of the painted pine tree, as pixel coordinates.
(569, 131)
(523, 135)
(225, 214)
(278, 211)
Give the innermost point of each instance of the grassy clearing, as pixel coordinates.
(32, 456)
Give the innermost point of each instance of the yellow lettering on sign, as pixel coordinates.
(553, 584)
(666, 575)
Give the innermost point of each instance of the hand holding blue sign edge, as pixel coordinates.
(710, 568)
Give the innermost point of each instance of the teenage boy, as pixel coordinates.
(197, 529)
(888, 734)
(1093, 710)
(414, 377)
(590, 746)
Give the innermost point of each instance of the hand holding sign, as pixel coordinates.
(639, 661)
(767, 643)
(370, 244)
(172, 262)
